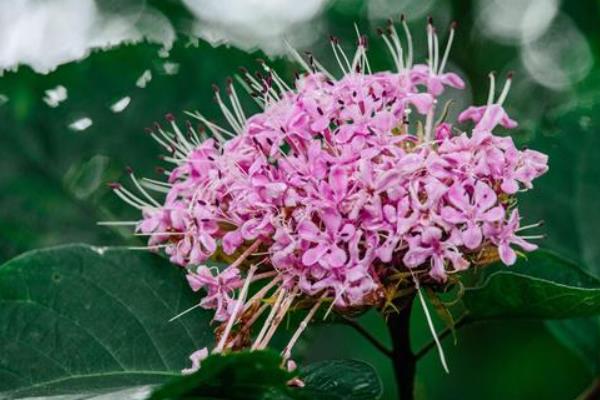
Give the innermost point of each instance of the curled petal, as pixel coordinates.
(312, 256)
(196, 358)
(472, 236)
(507, 255)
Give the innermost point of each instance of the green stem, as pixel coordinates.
(361, 330)
(462, 321)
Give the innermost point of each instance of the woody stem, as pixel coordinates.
(403, 358)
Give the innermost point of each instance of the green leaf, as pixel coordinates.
(572, 213)
(242, 375)
(257, 375)
(79, 319)
(582, 337)
(542, 286)
(341, 379)
(83, 180)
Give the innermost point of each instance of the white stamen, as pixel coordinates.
(278, 318)
(154, 187)
(505, 91)
(399, 49)
(447, 51)
(392, 51)
(430, 47)
(181, 314)
(436, 51)
(234, 314)
(270, 317)
(522, 228)
(409, 59)
(344, 57)
(157, 182)
(323, 70)
(127, 200)
(261, 293)
(236, 105)
(142, 190)
(337, 57)
(181, 137)
(533, 237)
(155, 247)
(214, 129)
(431, 327)
(117, 223)
(288, 349)
(297, 56)
(171, 143)
(172, 233)
(228, 115)
(492, 91)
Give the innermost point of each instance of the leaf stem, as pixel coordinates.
(462, 321)
(362, 331)
(405, 362)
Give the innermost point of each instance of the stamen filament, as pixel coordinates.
(448, 47)
(431, 327)
(409, 60)
(505, 90)
(234, 313)
(288, 349)
(490, 99)
(281, 293)
(181, 314)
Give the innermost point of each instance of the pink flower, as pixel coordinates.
(470, 210)
(219, 289)
(487, 118)
(504, 235)
(334, 187)
(429, 245)
(327, 252)
(435, 83)
(443, 131)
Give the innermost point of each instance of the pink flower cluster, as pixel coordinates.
(338, 183)
(333, 183)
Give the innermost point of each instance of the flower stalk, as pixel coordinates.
(403, 358)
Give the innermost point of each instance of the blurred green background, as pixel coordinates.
(53, 179)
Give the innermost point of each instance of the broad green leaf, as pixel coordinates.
(582, 336)
(82, 321)
(258, 375)
(83, 180)
(341, 379)
(243, 375)
(568, 200)
(542, 286)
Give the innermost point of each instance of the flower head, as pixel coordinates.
(336, 185)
